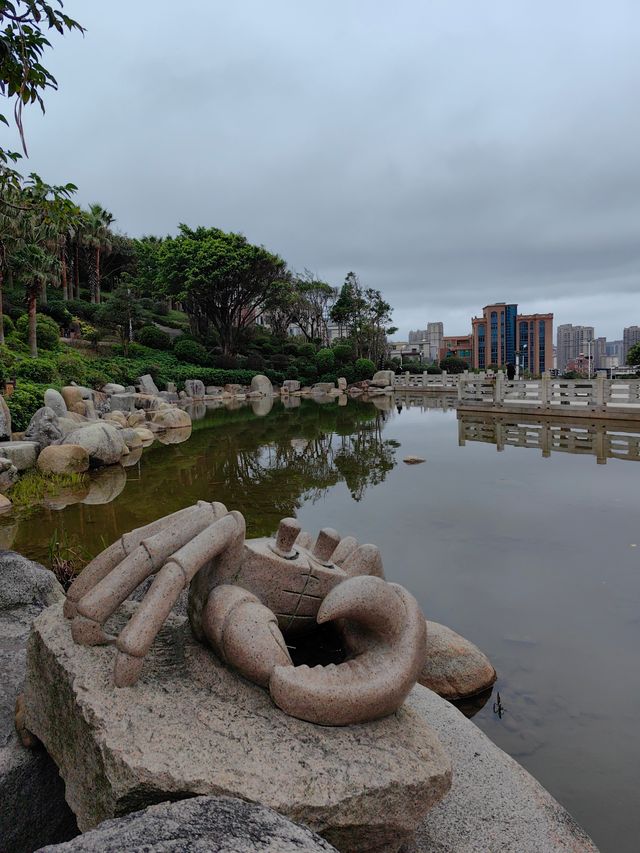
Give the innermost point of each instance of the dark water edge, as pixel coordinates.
(529, 552)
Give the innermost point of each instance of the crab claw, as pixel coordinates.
(386, 630)
(244, 633)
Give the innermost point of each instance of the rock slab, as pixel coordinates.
(494, 804)
(21, 454)
(33, 810)
(192, 727)
(198, 825)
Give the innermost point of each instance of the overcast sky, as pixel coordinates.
(451, 152)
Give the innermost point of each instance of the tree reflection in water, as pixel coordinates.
(265, 466)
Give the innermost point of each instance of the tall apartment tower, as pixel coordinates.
(435, 334)
(573, 341)
(630, 337)
(501, 336)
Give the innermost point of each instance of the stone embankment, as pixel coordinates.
(79, 429)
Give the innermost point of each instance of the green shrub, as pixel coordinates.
(186, 349)
(47, 331)
(7, 324)
(72, 367)
(343, 352)
(57, 311)
(24, 402)
(38, 370)
(325, 360)
(152, 336)
(82, 309)
(161, 309)
(307, 351)
(8, 360)
(364, 368)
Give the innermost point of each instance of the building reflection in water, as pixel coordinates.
(602, 439)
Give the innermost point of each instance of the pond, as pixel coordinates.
(511, 533)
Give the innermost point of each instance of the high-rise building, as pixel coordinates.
(630, 337)
(435, 334)
(599, 354)
(501, 336)
(573, 341)
(417, 336)
(615, 349)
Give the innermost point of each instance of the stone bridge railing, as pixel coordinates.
(437, 381)
(551, 394)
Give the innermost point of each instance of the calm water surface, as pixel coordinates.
(532, 553)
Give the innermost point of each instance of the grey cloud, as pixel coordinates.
(451, 153)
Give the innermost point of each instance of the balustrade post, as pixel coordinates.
(545, 390)
(599, 392)
(461, 383)
(425, 380)
(498, 389)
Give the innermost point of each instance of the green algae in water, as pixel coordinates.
(34, 487)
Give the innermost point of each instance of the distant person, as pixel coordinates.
(511, 371)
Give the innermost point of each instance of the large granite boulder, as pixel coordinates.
(261, 385)
(63, 459)
(146, 385)
(33, 810)
(382, 378)
(5, 421)
(194, 388)
(191, 726)
(22, 454)
(113, 388)
(54, 400)
(71, 394)
(493, 804)
(198, 824)
(454, 667)
(44, 428)
(125, 402)
(290, 386)
(103, 443)
(131, 438)
(170, 418)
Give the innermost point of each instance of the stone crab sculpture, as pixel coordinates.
(247, 597)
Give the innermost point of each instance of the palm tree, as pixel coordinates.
(96, 238)
(35, 268)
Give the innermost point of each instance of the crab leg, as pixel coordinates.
(108, 559)
(244, 633)
(137, 636)
(100, 602)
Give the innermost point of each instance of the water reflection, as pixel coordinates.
(604, 439)
(262, 457)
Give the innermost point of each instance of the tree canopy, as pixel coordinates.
(221, 279)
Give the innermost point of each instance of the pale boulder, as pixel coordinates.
(454, 667)
(44, 428)
(113, 388)
(170, 418)
(261, 385)
(5, 503)
(136, 418)
(342, 383)
(200, 824)
(8, 473)
(71, 395)
(103, 443)
(290, 386)
(382, 378)
(146, 384)
(21, 454)
(145, 435)
(54, 400)
(63, 459)
(131, 438)
(194, 388)
(5, 420)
